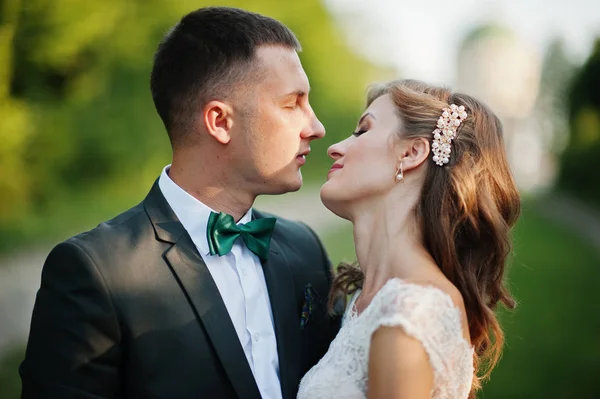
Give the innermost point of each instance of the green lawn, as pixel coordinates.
(553, 337)
(10, 384)
(553, 345)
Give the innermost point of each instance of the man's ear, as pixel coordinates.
(218, 120)
(413, 152)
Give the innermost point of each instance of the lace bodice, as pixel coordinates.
(426, 313)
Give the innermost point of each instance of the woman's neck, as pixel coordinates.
(388, 245)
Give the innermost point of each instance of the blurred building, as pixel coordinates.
(496, 66)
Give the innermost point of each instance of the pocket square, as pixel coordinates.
(307, 308)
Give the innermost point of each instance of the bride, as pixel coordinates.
(425, 181)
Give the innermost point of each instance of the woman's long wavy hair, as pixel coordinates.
(466, 211)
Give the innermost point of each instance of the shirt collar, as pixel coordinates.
(191, 212)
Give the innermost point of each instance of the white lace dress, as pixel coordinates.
(426, 313)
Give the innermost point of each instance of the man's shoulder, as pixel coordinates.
(121, 232)
(124, 222)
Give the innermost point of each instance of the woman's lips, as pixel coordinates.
(334, 168)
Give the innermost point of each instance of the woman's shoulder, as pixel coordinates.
(430, 314)
(423, 304)
(422, 290)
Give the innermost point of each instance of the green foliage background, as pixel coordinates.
(79, 133)
(579, 164)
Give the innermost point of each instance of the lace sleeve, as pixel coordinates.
(430, 316)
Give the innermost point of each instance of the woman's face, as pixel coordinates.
(365, 163)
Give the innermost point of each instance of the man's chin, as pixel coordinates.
(280, 187)
(292, 186)
(293, 183)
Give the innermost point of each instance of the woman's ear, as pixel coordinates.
(414, 152)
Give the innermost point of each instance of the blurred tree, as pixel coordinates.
(15, 121)
(584, 102)
(579, 161)
(557, 73)
(77, 114)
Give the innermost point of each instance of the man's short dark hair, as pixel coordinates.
(206, 54)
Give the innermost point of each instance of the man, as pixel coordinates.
(173, 299)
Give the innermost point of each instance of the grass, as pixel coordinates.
(552, 347)
(10, 383)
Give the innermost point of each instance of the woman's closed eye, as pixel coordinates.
(359, 132)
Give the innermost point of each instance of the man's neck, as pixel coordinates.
(212, 191)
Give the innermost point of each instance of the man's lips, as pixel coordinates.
(301, 157)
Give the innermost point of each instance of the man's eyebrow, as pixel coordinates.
(299, 93)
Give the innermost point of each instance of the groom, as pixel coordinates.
(173, 299)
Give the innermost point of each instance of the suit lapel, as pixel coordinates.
(282, 295)
(196, 281)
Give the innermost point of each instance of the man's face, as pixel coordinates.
(274, 124)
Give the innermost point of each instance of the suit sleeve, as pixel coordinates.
(73, 348)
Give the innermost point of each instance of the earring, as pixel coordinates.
(400, 174)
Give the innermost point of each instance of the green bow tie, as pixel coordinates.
(222, 232)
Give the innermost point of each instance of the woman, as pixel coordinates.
(425, 181)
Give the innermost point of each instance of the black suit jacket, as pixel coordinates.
(129, 310)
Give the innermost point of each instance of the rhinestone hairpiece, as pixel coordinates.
(445, 132)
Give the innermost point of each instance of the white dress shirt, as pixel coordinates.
(241, 282)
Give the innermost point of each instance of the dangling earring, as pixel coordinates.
(400, 174)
